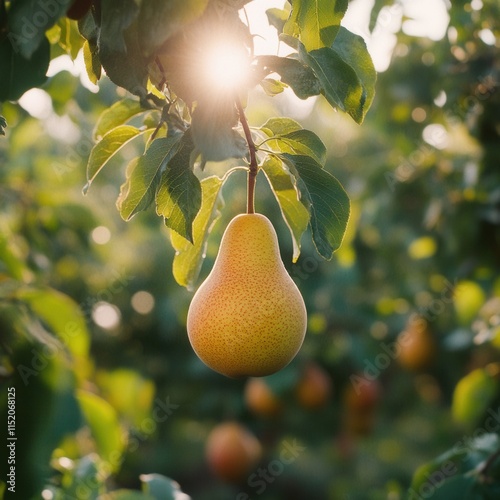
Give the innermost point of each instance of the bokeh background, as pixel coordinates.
(422, 252)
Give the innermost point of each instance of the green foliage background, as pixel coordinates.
(102, 409)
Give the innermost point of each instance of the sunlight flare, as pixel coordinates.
(226, 66)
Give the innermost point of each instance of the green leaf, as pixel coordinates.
(438, 467)
(28, 22)
(458, 488)
(115, 19)
(277, 18)
(119, 50)
(189, 256)
(20, 74)
(352, 49)
(103, 422)
(340, 83)
(294, 73)
(280, 126)
(178, 198)
(272, 87)
(160, 20)
(315, 22)
(88, 28)
(466, 455)
(326, 200)
(162, 488)
(143, 174)
(64, 319)
(293, 211)
(473, 395)
(213, 133)
(107, 147)
(302, 142)
(70, 39)
(118, 114)
(92, 61)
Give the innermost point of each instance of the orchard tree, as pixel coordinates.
(403, 321)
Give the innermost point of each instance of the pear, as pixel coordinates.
(248, 317)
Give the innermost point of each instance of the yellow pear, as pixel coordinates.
(248, 317)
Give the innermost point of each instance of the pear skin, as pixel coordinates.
(248, 317)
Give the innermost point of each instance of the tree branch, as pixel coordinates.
(253, 167)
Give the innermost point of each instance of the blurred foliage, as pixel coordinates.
(109, 394)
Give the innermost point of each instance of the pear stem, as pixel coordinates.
(253, 168)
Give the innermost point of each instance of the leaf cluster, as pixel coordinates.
(162, 64)
(156, 51)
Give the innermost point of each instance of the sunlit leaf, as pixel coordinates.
(339, 82)
(272, 87)
(294, 73)
(92, 61)
(178, 198)
(70, 39)
(162, 488)
(189, 256)
(352, 49)
(118, 114)
(277, 18)
(280, 126)
(315, 22)
(326, 200)
(287, 136)
(293, 211)
(103, 422)
(302, 142)
(143, 176)
(107, 147)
